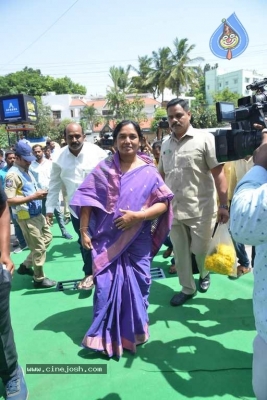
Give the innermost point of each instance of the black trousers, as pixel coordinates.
(86, 254)
(8, 354)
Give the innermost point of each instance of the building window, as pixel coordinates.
(220, 85)
(57, 114)
(247, 80)
(235, 81)
(107, 113)
(226, 83)
(71, 113)
(208, 87)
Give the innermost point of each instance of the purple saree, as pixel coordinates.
(121, 260)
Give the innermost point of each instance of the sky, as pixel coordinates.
(82, 39)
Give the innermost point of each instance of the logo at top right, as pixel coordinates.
(230, 39)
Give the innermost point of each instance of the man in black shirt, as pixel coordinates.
(10, 372)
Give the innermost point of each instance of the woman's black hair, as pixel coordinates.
(127, 122)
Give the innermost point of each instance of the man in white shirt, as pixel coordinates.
(41, 169)
(248, 225)
(54, 147)
(70, 168)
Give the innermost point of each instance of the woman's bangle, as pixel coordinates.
(144, 214)
(83, 227)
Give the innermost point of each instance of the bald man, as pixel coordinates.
(70, 167)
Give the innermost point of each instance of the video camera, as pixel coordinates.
(106, 141)
(243, 138)
(163, 124)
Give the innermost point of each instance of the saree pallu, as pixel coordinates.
(121, 260)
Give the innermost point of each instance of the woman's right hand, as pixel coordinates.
(86, 242)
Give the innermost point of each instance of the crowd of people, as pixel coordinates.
(122, 208)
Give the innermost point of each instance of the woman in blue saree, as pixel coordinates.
(125, 215)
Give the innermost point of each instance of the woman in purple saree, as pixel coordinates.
(128, 207)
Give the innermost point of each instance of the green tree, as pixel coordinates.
(120, 78)
(57, 130)
(132, 109)
(66, 86)
(123, 108)
(45, 121)
(159, 75)
(226, 95)
(183, 68)
(158, 115)
(46, 125)
(198, 90)
(203, 116)
(4, 137)
(90, 117)
(32, 82)
(116, 97)
(139, 83)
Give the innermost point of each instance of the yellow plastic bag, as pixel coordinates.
(221, 256)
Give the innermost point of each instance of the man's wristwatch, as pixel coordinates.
(225, 206)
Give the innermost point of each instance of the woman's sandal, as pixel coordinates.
(240, 272)
(86, 283)
(172, 270)
(167, 253)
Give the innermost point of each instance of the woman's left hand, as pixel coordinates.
(128, 219)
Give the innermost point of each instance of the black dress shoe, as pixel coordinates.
(180, 298)
(204, 283)
(45, 283)
(23, 270)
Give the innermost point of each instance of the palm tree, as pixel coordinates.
(90, 115)
(160, 72)
(114, 100)
(120, 78)
(183, 69)
(138, 83)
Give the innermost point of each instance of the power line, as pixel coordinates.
(42, 34)
(247, 54)
(78, 62)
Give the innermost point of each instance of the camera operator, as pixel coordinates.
(248, 225)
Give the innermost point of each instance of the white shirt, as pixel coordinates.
(42, 172)
(55, 152)
(248, 225)
(71, 171)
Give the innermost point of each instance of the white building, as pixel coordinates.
(65, 105)
(217, 80)
(69, 105)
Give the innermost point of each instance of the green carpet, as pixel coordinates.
(202, 350)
